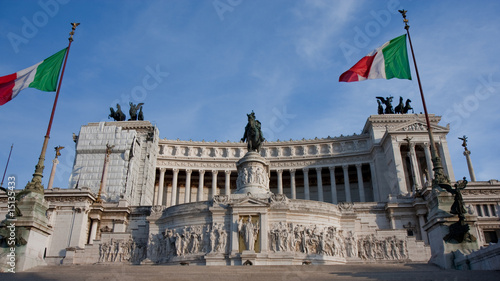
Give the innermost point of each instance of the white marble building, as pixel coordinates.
(359, 198)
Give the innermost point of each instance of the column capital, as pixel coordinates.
(227, 172)
(345, 166)
(162, 170)
(305, 170)
(318, 169)
(358, 165)
(331, 168)
(201, 171)
(279, 171)
(215, 172)
(189, 171)
(175, 170)
(292, 171)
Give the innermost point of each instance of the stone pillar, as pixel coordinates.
(376, 195)
(414, 168)
(292, 184)
(320, 184)
(173, 200)
(227, 186)
(333, 184)
(187, 192)
(446, 158)
(361, 186)
(428, 160)
(52, 173)
(161, 187)
(469, 165)
(347, 186)
(421, 222)
(214, 183)
(280, 181)
(398, 183)
(199, 196)
(307, 196)
(264, 239)
(93, 231)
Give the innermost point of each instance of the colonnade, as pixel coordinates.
(356, 183)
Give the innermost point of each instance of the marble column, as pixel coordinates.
(280, 181)
(376, 195)
(199, 196)
(361, 186)
(227, 186)
(292, 184)
(214, 183)
(446, 158)
(93, 231)
(428, 160)
(161, 187)
(347, 185)
(333, 184)
(397, 183)
(320, 184)
(469, 165)
(187, 191)
(173, 200)
(52, 173)
(307, 196)
(414, 168)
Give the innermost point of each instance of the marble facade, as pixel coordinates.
(348, 199)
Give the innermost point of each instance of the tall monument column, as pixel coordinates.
(199, 196)
(227, 185)
(360, 183)
(467, 157)
(307, 196)
(320, 184)
(280, 181)
(161, 186)
(214, 183)
(347, 185)
(187, 191)
(333, 184)
(292, 184)
(173, 200)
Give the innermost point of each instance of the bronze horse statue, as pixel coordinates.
(400, 107)
(117, 115)
(253, 133)
(408, 107)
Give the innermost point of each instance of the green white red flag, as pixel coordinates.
(42, 76)
(386, 62)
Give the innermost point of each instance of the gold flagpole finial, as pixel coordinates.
(403, 13)
(74, 25)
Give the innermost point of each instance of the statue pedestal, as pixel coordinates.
(253, 174)
(33, 227)
(438, 226)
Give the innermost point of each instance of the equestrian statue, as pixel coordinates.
(253, 133)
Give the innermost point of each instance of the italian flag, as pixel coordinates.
(386, 62)
(42, 76)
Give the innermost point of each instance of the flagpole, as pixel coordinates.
(7, 165)
(439, 175)
(36, 182)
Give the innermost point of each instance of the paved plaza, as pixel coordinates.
(405, 272)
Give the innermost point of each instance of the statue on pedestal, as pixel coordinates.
(459, 231)
(253, 133)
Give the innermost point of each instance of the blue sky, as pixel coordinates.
(199, 66)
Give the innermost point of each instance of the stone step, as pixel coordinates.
(405, 272)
